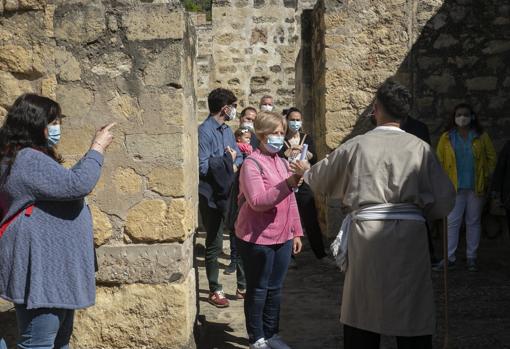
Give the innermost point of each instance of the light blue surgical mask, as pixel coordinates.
(295, 125)
(53, 135)
(274, 144)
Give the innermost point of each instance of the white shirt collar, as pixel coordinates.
(389, 128)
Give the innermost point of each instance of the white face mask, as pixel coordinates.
(248, 125)
(231, 115)
(462, 121)
(53, 135)
(266, 107)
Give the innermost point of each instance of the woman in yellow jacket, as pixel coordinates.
(468, 156)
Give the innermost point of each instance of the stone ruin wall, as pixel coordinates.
(131, 62)
(445, 51)
(250, 47)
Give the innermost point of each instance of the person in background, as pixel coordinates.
(47, 259)
(268, 230)
(243, 138)
(388, 183)
(219, 159)
(501, 180)
(468, 157)
(266, 103)
(291, 150)
(246, 120)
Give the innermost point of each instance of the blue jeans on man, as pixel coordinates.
(44, 328)
(265, 268)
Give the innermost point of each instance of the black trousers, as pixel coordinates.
(308, 215)
(355, 338)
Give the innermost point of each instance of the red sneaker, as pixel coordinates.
(218, 299)
(240, 294)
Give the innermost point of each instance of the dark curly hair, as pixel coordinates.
(395, 100)
(475, 122)
(218, 98)
(25, 125)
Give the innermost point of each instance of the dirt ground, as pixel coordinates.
(478, 303)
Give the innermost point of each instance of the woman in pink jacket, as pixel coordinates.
(268, 230)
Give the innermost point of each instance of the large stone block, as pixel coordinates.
(127, 181)
(148, 264)
(165, 68)
(167, 181)
(139, 316)
(75, 100)
(80, 23)
(152, 22)
(68, 67)
(11, 88)
(154, 220)
(156, 147)
(17, 59)
(102, 226)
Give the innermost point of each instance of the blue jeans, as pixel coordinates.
(265, 268)
(44, 328)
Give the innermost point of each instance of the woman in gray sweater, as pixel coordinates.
(46, 243)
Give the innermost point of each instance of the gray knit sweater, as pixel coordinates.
(47, 259)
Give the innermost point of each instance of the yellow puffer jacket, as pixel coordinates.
(485, 160)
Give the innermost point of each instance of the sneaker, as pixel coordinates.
(276, 342)
(218, 299)
(440, 266)
(471, 264)
(230, 269)
(260, 344)
(240, 294)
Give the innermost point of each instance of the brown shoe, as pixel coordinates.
(240, 294)
(218, 299)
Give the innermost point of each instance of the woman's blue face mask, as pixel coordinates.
(53, 135)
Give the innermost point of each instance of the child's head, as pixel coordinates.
(243, 135)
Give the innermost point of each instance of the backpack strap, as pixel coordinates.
(303, 140)
(28, 212)
(259, 166)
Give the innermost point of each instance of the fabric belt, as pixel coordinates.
(379, 212)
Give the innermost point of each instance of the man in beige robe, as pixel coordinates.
(388, 287)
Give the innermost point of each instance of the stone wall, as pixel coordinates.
(445, 51)
(251, 47)
(131, 62)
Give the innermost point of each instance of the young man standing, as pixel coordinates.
(219, 159)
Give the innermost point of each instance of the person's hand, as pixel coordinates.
(297, 245)
(299, 167)
(231, 152)
(298, 148)
(103, 138)
(293, 181)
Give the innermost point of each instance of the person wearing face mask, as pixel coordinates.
(468, 157)
(219, 158)
(268, 230)
(47, 259)
(266, 103)
(291, 150)
(246, 120)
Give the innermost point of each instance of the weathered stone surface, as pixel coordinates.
(167, 182)
(11, 88)
(17, 59)
(154, 220)
(102, 226)
(75, 100)
(125, 107)
(153, 22)
(165, 68)
(76, 141)
(139, 316)
(67, 65)
(482, 83)
(148, 264)
(127, 181)
(149, 147)
(49, 87)
(81, 22)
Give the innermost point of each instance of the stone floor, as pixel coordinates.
(479, 304)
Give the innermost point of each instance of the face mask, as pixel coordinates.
(274, 144)
(248, 125)
(231, 115)
(266, 107)
(462, 121)
(53, 135)
(295, 125)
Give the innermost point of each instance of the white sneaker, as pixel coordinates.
(276, 342)
(260, 344)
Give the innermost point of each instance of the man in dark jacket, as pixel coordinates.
(217, 150)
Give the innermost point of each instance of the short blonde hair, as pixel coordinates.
(267, 122)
